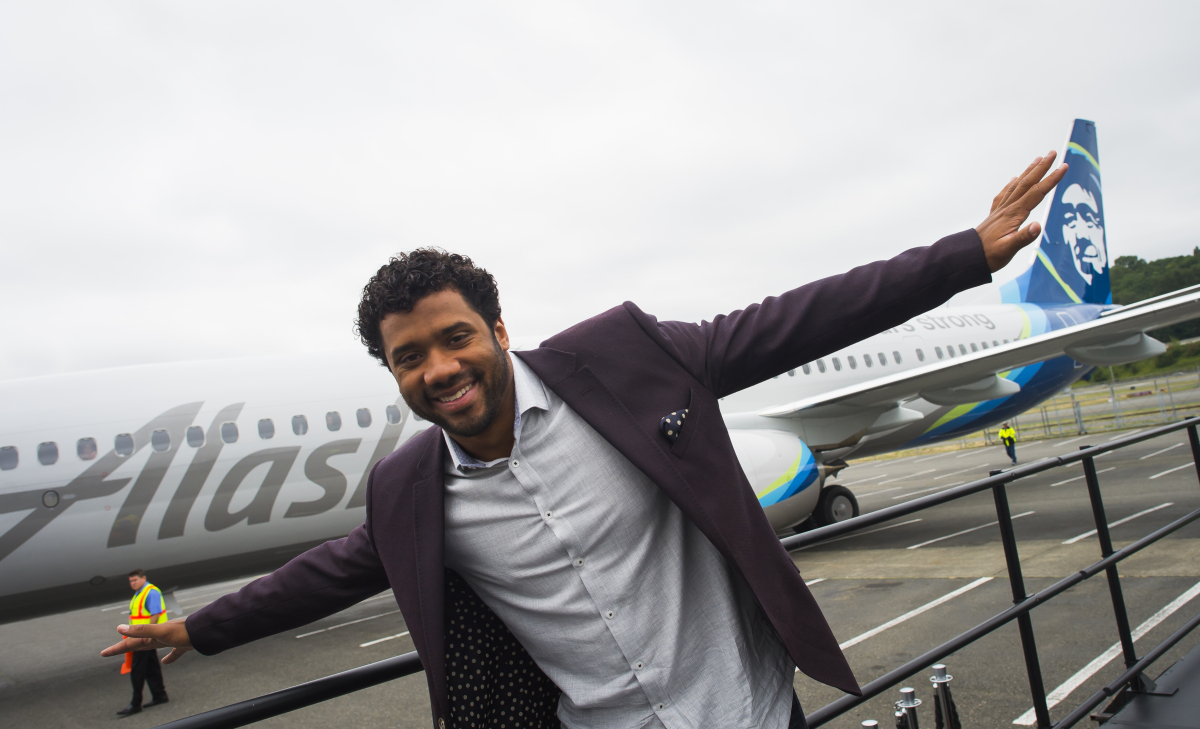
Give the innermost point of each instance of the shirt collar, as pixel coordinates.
(529, 392)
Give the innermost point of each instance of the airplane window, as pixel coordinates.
(160, 440)
(837, 363)
(47, 453)
(393, 414)
(123, 444)
(807, 370)
(983, 344)
(229, 432)
(195, 436)
(950, 350)
(8, 458)
(867, 360)
(850, 360)
(1006, 341)
(266, 429)
(363, 415)
(920, 355)
(974, 348)
(995, 343)
(962, 349)
(882, 359)
(299, 424)
(896, 358)
(791, 373)
(938, 352)
(333, 420)
(418, 418)
(86, 448)
(821, 366)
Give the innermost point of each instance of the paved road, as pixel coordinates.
(945, 571)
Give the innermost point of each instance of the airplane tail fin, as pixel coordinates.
(1071, 264)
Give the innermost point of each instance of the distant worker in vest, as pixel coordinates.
(1008, 437)
(147, 606)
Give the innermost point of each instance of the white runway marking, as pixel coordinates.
(955, 473)
(1080, 463)
(858, 534)
(810, 583)
(352, 622)
(966, 531)
(911, 475)
(876, 493)
(942, 486)
(1079, 478)
(1122, 435)
(1068, 442)
(913, 613)
(865, 480)
(930, 458)
(1074, 682)
(370, 643)
(1119, 522)
(1171, 470)
(1164, 450)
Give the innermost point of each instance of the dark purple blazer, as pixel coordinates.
(621, 371)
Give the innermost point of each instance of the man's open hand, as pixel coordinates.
(171, 634)
(1001, 230)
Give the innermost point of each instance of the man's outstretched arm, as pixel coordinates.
(746, 347)
(320, 582)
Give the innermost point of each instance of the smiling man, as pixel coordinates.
(575, 542)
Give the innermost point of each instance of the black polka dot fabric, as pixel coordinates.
(493, 683)
(672, 424)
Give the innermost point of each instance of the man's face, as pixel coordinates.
(1083, 232)
(452, 369)
(136, 583)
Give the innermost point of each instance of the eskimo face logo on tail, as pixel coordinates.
(1083, 232)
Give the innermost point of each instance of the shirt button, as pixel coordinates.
(639, 665)
(579, 562)
(660, 707)
(610, 614)
(548, 515)
(515, 463)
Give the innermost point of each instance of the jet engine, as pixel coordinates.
(783, 472)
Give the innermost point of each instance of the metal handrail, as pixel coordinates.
(306, 694)
(302, 695)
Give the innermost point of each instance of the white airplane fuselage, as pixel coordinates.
(221, 505)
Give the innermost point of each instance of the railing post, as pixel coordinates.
(1194, 439)
(1114, 581)
(1037, 687)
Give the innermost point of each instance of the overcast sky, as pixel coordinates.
(190, 180)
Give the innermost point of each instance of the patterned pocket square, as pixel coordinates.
(672, 424)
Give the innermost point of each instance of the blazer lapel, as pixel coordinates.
(428, 546)
(600, 408)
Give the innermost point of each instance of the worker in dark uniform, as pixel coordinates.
(1008, 437)
(147, 606)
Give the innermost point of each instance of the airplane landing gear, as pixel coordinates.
(837, 504)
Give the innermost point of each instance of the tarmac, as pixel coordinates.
(889, 595)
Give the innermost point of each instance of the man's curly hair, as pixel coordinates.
(406, 279)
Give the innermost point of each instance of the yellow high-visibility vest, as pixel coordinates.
(137, 606)
(1007, 434)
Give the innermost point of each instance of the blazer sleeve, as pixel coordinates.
(322, 581)
(735, 351)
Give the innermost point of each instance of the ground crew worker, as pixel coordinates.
(142, 666)
(1008, 437)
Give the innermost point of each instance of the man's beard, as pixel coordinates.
(493, 381)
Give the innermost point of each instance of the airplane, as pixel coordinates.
(201, 472)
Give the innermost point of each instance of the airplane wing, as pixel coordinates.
(1116, 337)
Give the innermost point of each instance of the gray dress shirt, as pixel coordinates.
(619, 599)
